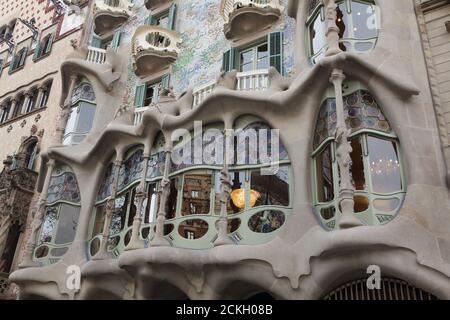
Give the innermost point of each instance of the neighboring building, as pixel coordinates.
(35, 37)
(360, 180)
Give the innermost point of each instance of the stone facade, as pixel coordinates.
(361, 173)
(31, 91)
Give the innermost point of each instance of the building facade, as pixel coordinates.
(223, 149)
(35, 36)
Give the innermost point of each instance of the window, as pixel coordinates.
(30, 155)
(81, 116)
(18, 60)
(164, 20)
(31, 101)
(376, 162)
(148, 93)
(19, 106)
(358, 24)
(61, 218)
(110, 42)
(45, 95)
(267, 53)
(44, 47)
(5, 112)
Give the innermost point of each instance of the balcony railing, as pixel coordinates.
(154, 49)
(96, 55)
(245, 17)
(246, 81)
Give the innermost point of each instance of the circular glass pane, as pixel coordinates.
(266, 221)
(193, 229)
(42, 252)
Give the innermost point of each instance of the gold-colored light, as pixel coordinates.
(238, 198)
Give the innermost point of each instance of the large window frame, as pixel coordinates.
(349, 41)
(327, 208)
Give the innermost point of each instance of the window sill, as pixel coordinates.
(10, 72)
(22, 116)
(41, 57)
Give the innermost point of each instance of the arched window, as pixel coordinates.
(376, 161)
(61, 218)
(82, 114)
(45, 95)
(357, 21)
(130, 174)
(390, 289)
(31, 154)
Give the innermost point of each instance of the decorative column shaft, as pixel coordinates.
(110, 209)
(136, 242)
(332, 32)
(65, 111)
(343, 152)
(38, 219)
(12, 110)
(225, 189)
(158, 239)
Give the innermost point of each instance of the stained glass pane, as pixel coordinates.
(131, 170)
(106, 186)
(63, 188)
(49, 224)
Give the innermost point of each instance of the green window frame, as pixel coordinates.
(349, 40)
(369, 199)
(170, 15)
(140, 97)
(43, 47)
(274, 41)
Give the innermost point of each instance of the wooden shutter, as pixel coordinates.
(49, 44)
(150, 20)
(165, 81)
(116, 39)
(1, 66)
(276, 51)
(37, 51)
(139, 98)
(230, 60)
(96, 42)
(172, 14)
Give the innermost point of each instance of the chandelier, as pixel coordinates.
(384, 166)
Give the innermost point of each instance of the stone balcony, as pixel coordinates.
(247, 17)
(154, 49)
(154, 4)
(110, 14)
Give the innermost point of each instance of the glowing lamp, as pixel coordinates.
(238, 197)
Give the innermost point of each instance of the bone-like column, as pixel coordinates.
(164, 191)
(332, 32)
(64, 112)
(225, 187)
(135, 241)
(38, 219)
(110, 209)
(343, 152)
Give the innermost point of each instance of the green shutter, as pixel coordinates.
(172, 13)
(276, 51)
(37, 51)
(116, 39)
(230, 60)
(96, 42)
(1, 66)
(12, 63)
(49, 44)
(23, 57)
(140, 95)
(150, 20)
(165, 80)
